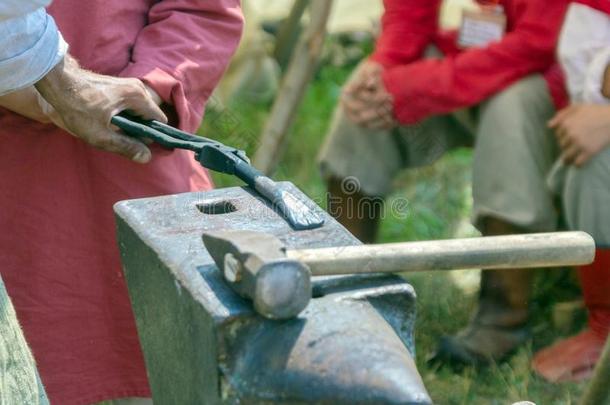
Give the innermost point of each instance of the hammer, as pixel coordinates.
(259, 267)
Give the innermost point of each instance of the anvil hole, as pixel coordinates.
(217, 208)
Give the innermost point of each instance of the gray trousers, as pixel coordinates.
(514, 154)
(585, 194)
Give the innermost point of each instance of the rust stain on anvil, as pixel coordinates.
(352, 345)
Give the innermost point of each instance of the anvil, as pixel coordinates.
(205, 344)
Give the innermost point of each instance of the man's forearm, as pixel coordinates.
(50, 85)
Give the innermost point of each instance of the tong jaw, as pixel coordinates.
(220, 158)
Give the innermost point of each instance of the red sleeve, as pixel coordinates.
(408, 27)
(436, 86)
(184, 50)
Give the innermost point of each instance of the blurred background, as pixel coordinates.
(439, 196)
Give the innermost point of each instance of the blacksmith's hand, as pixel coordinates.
(583, 131)
(85, 102)
(366, 101)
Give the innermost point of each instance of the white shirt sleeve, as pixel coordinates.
(31, 44)
(16, 8)
(584, 53)
(594, 78)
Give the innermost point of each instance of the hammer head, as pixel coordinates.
(254, 264)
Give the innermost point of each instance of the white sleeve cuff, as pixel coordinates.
(594, 80)
(42, 54)
(15, 8)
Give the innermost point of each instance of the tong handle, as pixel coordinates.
(211, 154)
(171, 131)
(140, 130)
(168, 130)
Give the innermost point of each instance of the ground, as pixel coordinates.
(439, 205)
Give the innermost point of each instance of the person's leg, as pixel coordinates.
(344, 205)
(359, 164)
(351, 163)
(514, 151)
(586, 198)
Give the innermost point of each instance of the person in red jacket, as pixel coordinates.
(495, 84)
(582, 179)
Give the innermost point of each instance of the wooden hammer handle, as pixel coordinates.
(497, 252)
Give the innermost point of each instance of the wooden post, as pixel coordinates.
(304, 62)
(288, 33)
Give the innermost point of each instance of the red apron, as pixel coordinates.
(58, 252)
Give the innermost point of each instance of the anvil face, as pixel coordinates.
(204, 344)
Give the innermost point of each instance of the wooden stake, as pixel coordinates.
(289, 33)
(303, 65)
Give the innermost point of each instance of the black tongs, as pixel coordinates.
(221, 158)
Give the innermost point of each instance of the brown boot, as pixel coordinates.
(356, 211)
(498, 326)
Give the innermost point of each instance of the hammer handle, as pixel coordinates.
(498, 252)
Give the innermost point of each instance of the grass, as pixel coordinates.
(439, 207)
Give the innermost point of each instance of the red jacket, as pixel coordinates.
(425, 87)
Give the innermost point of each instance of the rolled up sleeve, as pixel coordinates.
(32, 46)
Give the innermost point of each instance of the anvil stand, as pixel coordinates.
(203, 344)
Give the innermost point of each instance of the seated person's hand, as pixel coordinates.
(83, 103)
(582, 131)
(366, 101)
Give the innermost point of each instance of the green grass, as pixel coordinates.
(439, 207)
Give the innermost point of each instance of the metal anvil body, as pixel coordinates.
(204, 344)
